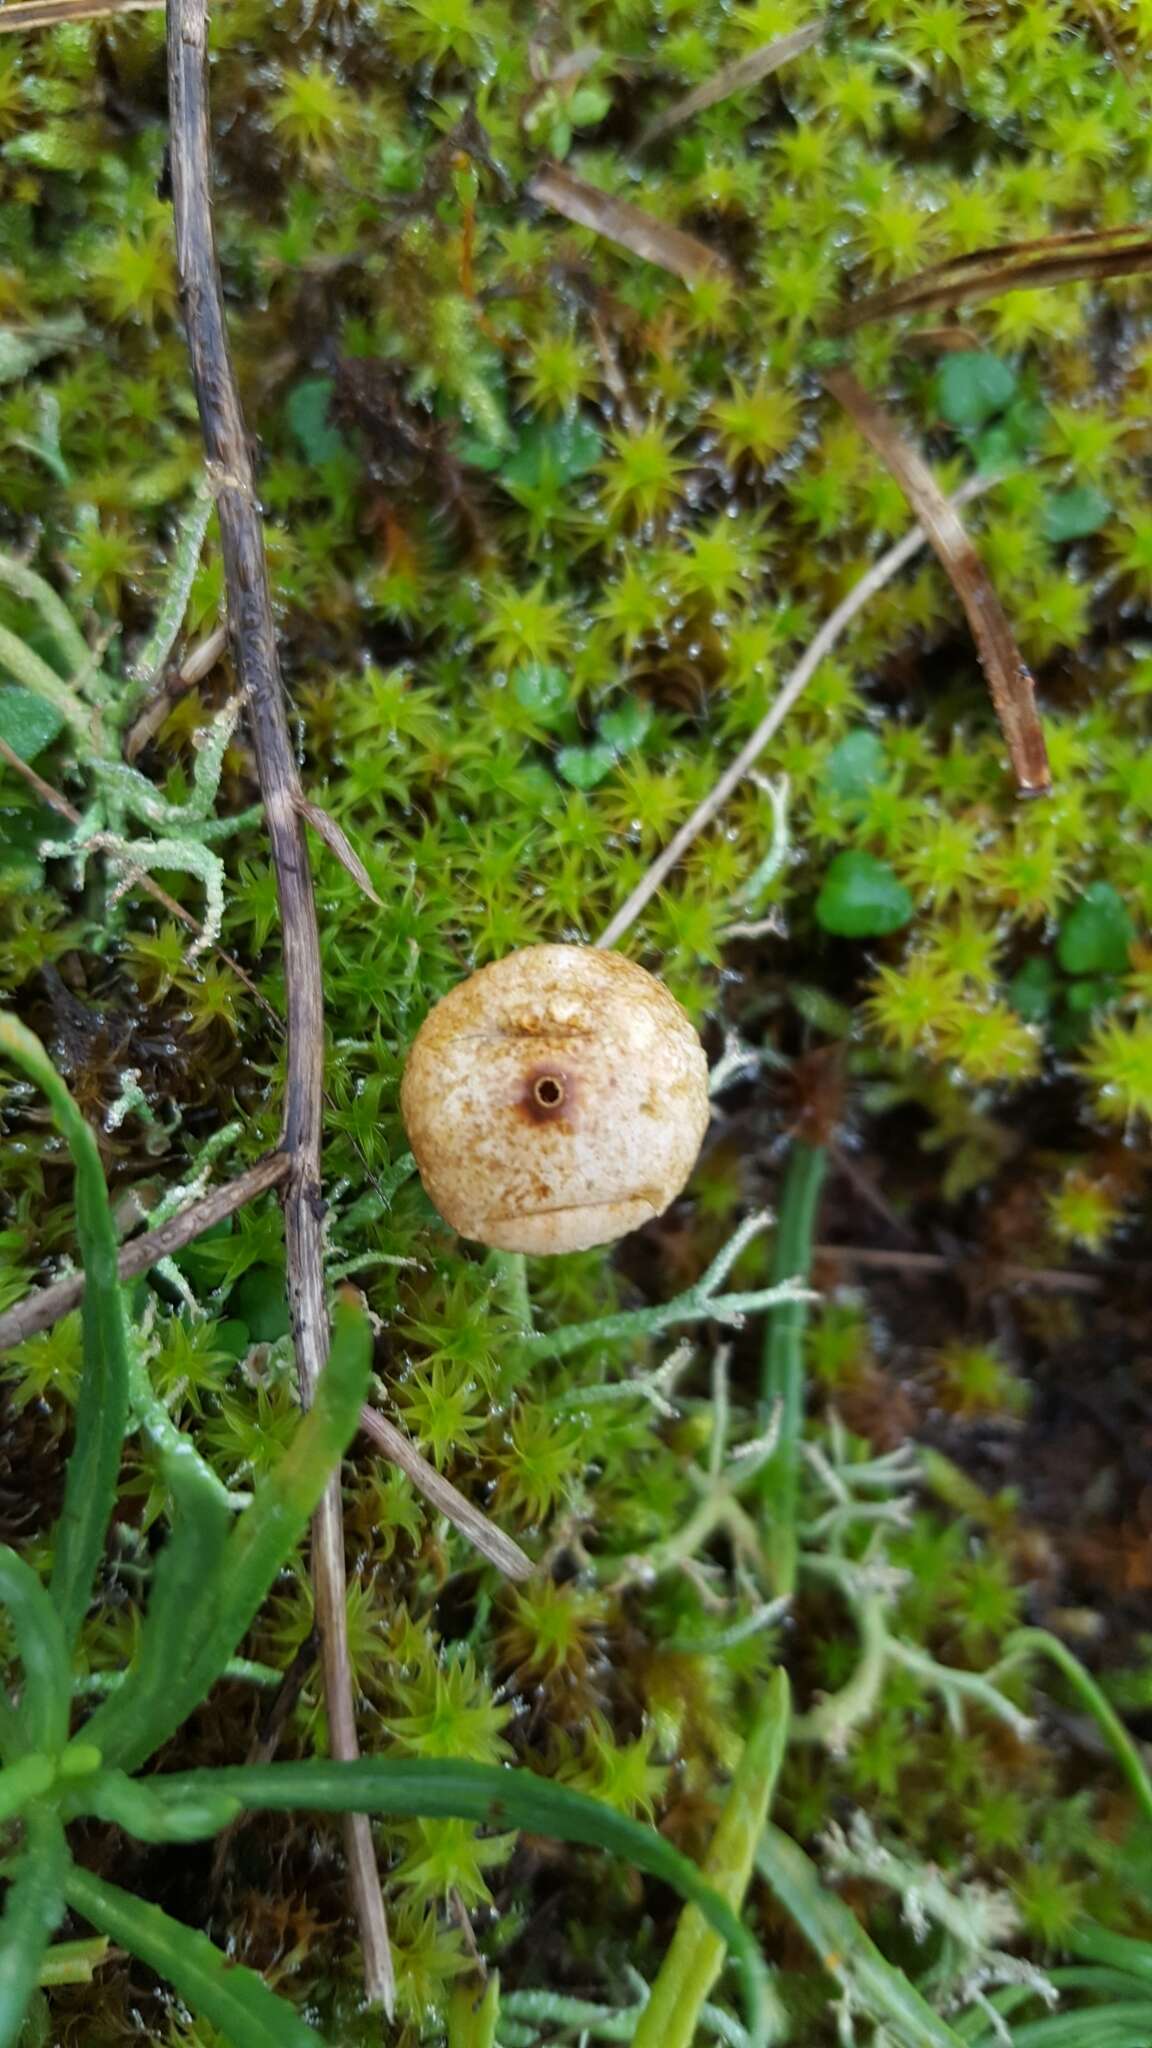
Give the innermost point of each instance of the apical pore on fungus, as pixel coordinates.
(555, 1100)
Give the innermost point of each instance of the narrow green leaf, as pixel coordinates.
(693, 1963)
(102, 1406)
(13, 1741)
(432, 1789)
(474, 2014)
(20, 660)
(42, 1715)
(73, 1962)
(210, 1584)
(33, 1911)
(862, 898)
(1106, 2026)
(28, 723)
(1026, 1643)
(24, 582)
(265, 1535)
(846, 1952)
(138, 1714)
(1118, 1951)
(225, 1993)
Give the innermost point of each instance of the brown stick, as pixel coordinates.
(641, 233)
(440, 1493)
(1009, 677)
(1045, 1279)
(735, 77)
(1084, 254)
(818, 649)
(197, 663)
(257, 664)
(49, 13)
(40, 1310)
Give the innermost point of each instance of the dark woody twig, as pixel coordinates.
(257, 665)
(40, 1310)
(1009, 678)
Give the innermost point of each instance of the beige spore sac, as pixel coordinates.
(555, 1100)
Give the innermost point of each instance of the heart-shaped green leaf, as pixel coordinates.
(862, 898)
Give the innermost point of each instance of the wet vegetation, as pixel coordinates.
(549, 522)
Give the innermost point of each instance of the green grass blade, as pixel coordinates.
(33, 1910)
(1039, 1641)
(213, 1584)
(848, 1954)
(22, 661)
(12, 1740)
(1118, 1951)
(694, 1961)
(17, 577)
(157, 1693)
(102, 1406)
(425, 1788)
(1118, 1984)
(782, 1381)
(1094, 2026)
(42, 1716)
(223, 1992)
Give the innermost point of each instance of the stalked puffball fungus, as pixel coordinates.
(555, 1100)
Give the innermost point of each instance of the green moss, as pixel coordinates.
(534, 485)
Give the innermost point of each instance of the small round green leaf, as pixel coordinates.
(1032, 991)
(626, 727)
(1070, 515)
(541, 690)
(552, 452)
(584, 767)
(972, 387)
(588, 104)
(28, 722)
(308, 416)
(1084, 997)
(855, 765)
(862, 898)
(1096, 934)
(259, 1299)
